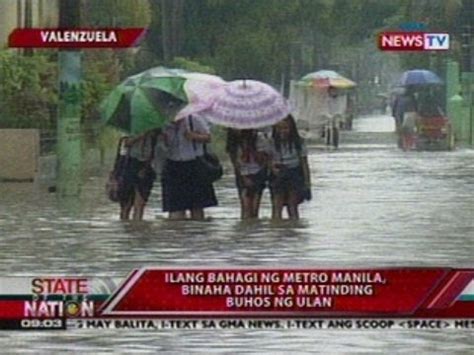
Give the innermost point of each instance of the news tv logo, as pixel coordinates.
(413, 41)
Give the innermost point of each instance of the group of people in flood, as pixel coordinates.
(275, 158)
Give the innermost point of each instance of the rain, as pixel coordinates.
(388, 136)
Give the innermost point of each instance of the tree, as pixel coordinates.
(171, 28)
(28, 93)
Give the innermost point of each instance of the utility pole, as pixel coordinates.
(467, 65)
(28, 23)
(69, 110)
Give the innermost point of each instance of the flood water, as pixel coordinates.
(373, 205)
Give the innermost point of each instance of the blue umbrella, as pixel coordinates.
(419, 77)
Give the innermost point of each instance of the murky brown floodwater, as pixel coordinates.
(373, 205)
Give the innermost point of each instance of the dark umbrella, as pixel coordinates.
(419, 77)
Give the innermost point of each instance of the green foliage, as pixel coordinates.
(437, 15)
(246, 54)
(269, 40)
(116, 13)
(101, 72)
(193, 66)
(28, 93)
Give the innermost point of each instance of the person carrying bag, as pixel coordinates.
(290, 180)
(115, 185)
(189, 170)
(209, 167)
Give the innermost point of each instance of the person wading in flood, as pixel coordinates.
(290, 182)
(409, 114)
(183, 187)
(249, 156)
(136, 158)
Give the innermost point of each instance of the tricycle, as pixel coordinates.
(434, 133)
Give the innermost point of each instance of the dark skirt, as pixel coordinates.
(289, 180)
(138, 176)
(258, 183)
(182, 189)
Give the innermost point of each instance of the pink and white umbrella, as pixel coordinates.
(246, 104)
(200, 89)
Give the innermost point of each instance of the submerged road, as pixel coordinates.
(373, 205)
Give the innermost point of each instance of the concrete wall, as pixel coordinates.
(19, 153)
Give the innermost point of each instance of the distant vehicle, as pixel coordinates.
(323, 105)
(434, 133)
(432, 128)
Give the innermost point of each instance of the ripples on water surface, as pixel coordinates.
(373, 205)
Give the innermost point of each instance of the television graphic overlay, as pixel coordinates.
(413, 41)
(384, 237)
(75, 38)
(274, 298)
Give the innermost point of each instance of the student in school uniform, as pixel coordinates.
(183, 188)
(248, 153)
(290, 182)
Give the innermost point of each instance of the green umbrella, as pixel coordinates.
(145, 101)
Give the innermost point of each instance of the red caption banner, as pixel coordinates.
(418, 292)
(75, 38)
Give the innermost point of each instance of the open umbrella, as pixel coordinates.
(201, 92)
(325, 79)
(419, 77)
(149, 99)
(246, 104)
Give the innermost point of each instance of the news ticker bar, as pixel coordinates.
(209, 324)
(161, 293)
